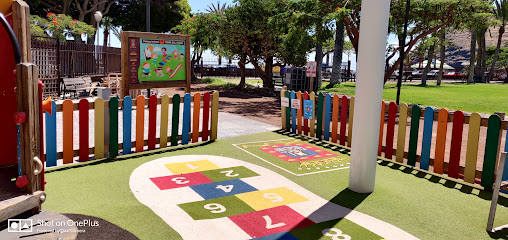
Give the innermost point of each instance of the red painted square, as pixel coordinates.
(270, 221)
(178, 181)
(297, 152)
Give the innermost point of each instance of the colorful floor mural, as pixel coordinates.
(295, 156)
(213, 197)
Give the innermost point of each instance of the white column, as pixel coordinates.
(369, 93)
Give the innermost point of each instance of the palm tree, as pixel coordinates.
(109, 26)
(501, 13)
(217, 9)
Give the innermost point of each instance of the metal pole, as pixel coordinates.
(369, 93)
(403, 41)
(148, 30)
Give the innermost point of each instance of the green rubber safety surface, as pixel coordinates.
(424, 205)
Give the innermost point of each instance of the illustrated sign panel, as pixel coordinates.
(308, 109)
(156, 60)
(241, 200)
(296, 157)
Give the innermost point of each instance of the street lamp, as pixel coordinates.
(98, 17)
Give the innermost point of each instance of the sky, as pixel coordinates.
(200, 6)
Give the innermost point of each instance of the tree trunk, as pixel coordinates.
(241, 65)
(106, 36)
(230, 60)
(337, 53)
(483, 68)
(193, 74)
(442, 55)
(319, 61)
(327, 59)
(268, 78)
(472, 56)
(429, 62)
(220, 59)
(496, 53)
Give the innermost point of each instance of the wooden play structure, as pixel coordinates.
(22, 97)
(460, 163)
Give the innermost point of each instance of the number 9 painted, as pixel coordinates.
(215, 208)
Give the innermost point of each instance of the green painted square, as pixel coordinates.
(337, 229)
(224, 174)
(216, 208)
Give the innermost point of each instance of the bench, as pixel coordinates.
(76, 85)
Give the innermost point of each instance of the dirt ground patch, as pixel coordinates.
(254, 104)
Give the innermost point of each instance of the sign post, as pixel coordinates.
(311, 72)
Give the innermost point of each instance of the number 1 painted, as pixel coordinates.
(192, 167)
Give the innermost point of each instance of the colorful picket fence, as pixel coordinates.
(209, 103)
(394, 140)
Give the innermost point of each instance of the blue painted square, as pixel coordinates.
(295, 151)
(222, 189)
(278, 236)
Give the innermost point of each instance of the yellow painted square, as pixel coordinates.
(270, 198)
(190, 167)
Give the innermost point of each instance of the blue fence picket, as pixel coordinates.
(186, 118)
(127, 125)
(293, 113)
(51, 136)
(427, 138)
(328, 108)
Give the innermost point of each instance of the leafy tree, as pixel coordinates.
(268, 35)
(501, 13)
(502, 61)
(164, 14)
(60, 26)
(203, 30)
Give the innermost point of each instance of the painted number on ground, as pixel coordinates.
(270, 225)
(180, 180)
(215, 208)
(226, 188)
(229, 173)
(274, 197)
(335, 234)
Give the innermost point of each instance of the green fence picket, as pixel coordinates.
(413, 135)
(491, 146)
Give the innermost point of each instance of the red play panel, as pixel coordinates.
(178, 181)
(270, 221)
(297, 152)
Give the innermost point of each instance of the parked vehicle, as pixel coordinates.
(417, 73)
(432, 74)
(453, 75)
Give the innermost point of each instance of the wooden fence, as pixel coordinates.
(463, 159)
(57, 59)
(190, 129)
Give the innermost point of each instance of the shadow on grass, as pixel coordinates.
(485, 194)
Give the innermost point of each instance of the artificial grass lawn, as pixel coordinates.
(413, 201)
(479, 97)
